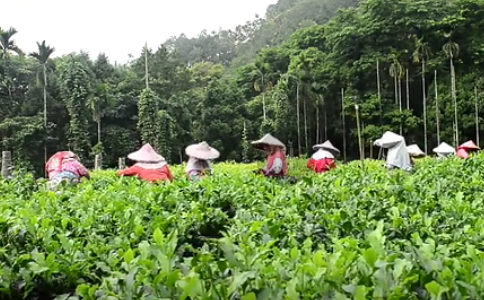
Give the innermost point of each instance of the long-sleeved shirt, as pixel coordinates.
(151, 175)
(321, 165)
(72, 166)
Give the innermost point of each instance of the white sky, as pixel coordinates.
(120, 27)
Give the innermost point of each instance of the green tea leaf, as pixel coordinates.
(238, 280)
(249, 296)
(128, 256)
(158, 237)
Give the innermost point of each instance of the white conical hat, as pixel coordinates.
(268, 140)
(202, 151)
(388, 140)
(444, 149)
(146, 155)
(414, 150)
(327, 146)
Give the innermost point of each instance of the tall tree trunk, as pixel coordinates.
(400, 102)
(395, 84)
(424, 97)
(407, 83)
(298, 120)
(437, 112)
(99, 130)
(263, 97)
(264, 105)
(45, 113)
(317, 121)
(344, 122)
(146, 66)
(305, 125)
(477, 115)
(325, 115)
(454, 98)
(378, 84)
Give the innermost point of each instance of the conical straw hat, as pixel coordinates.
(146, 155)
(469, 145)
(202, 151)
(327, 146)
(388, 140)
(268, 140)
(444, 149)
(414, 150)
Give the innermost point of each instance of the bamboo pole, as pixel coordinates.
(6, 164)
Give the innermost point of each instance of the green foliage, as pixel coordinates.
(372, 234)
(148, 117)
(75, 85)
(293, 64)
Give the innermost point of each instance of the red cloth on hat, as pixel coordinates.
(462, 153)
(151, 175)
(321, 165)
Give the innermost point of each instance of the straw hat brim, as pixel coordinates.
(202, 152)
(469, 145)
(146, 155)
(328, 147)
(268, 141)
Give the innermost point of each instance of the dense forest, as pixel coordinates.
(413, 67)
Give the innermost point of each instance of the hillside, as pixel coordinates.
(241, 44)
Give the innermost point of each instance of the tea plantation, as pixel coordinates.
(354, 233)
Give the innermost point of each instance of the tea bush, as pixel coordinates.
(353, 233)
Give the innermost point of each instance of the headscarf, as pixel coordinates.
(195, 164)
(321, 153)
(54, 164)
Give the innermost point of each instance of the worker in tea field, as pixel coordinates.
(276, 165)
(467, 148)
(64, 166)
(415, 152)
(323, 159)
(150, 166)
(199, 157)
(444, 150)
(398, 156)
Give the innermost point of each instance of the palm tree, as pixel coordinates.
(7, 44)
(421, 55)
(42, 57)
(451, 49)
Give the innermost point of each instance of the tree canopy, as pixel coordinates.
(296, 73)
